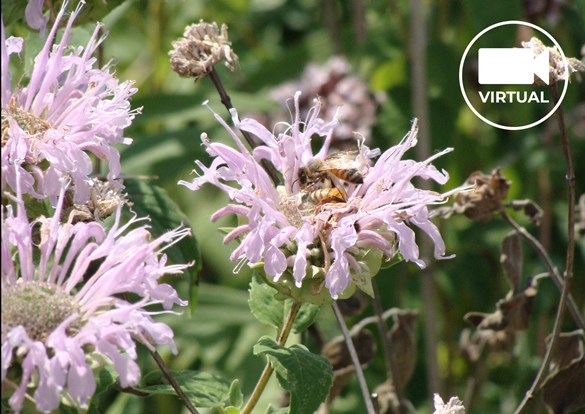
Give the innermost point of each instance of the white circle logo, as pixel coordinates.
(506, 76)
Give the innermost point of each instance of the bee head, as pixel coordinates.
(303, 176)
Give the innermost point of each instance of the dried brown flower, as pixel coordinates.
(453, 406)
(104, 199)
(487, 197)
(201, 47)
(556, 62)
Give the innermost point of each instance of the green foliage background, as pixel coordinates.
(275, 39)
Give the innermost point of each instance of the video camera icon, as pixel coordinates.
(512, 66)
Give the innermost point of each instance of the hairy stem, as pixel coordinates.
(182, 396)
(354, 358)
(268, 369)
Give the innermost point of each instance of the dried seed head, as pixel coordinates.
(201, 47)
(104, 199)
(556, 62)
(486, 199)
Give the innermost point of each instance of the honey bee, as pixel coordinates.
(323, 179)
(324, 196)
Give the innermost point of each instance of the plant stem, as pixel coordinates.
(553, 271)
(570, 177)
(549, 352)
(227, 102)
(267, 372)
(354, 358)
(182, 396)
(568, 274)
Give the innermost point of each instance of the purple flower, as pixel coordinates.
(68, 110)
(330, 243)
(64, 302)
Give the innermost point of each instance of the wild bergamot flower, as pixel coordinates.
(300, 244)
(67, 110)
(66, 307)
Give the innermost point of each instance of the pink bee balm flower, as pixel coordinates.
(293, 230)
(68, 110)
(64, 302)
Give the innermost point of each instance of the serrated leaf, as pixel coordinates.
(264, 305)
(270, 310)
(305, 317)
(307, 376)
(203, 389)
(154, 202)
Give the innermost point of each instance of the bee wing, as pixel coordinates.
(341, 160)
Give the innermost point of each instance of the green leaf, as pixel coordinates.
(154, 202)
(307, 376)
(264, 305)
(236, 397)
(305, 317)
(203, 389)
(370, 265)
(389, 262)
(270, 310)
(105, 379)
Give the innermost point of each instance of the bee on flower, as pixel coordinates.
(327, 227)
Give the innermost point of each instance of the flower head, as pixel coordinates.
(453, 406)
(557, 69)
(294, 233)
(65, 306)
(201, 47)
(68, 110)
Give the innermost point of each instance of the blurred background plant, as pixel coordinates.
(275, 41)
